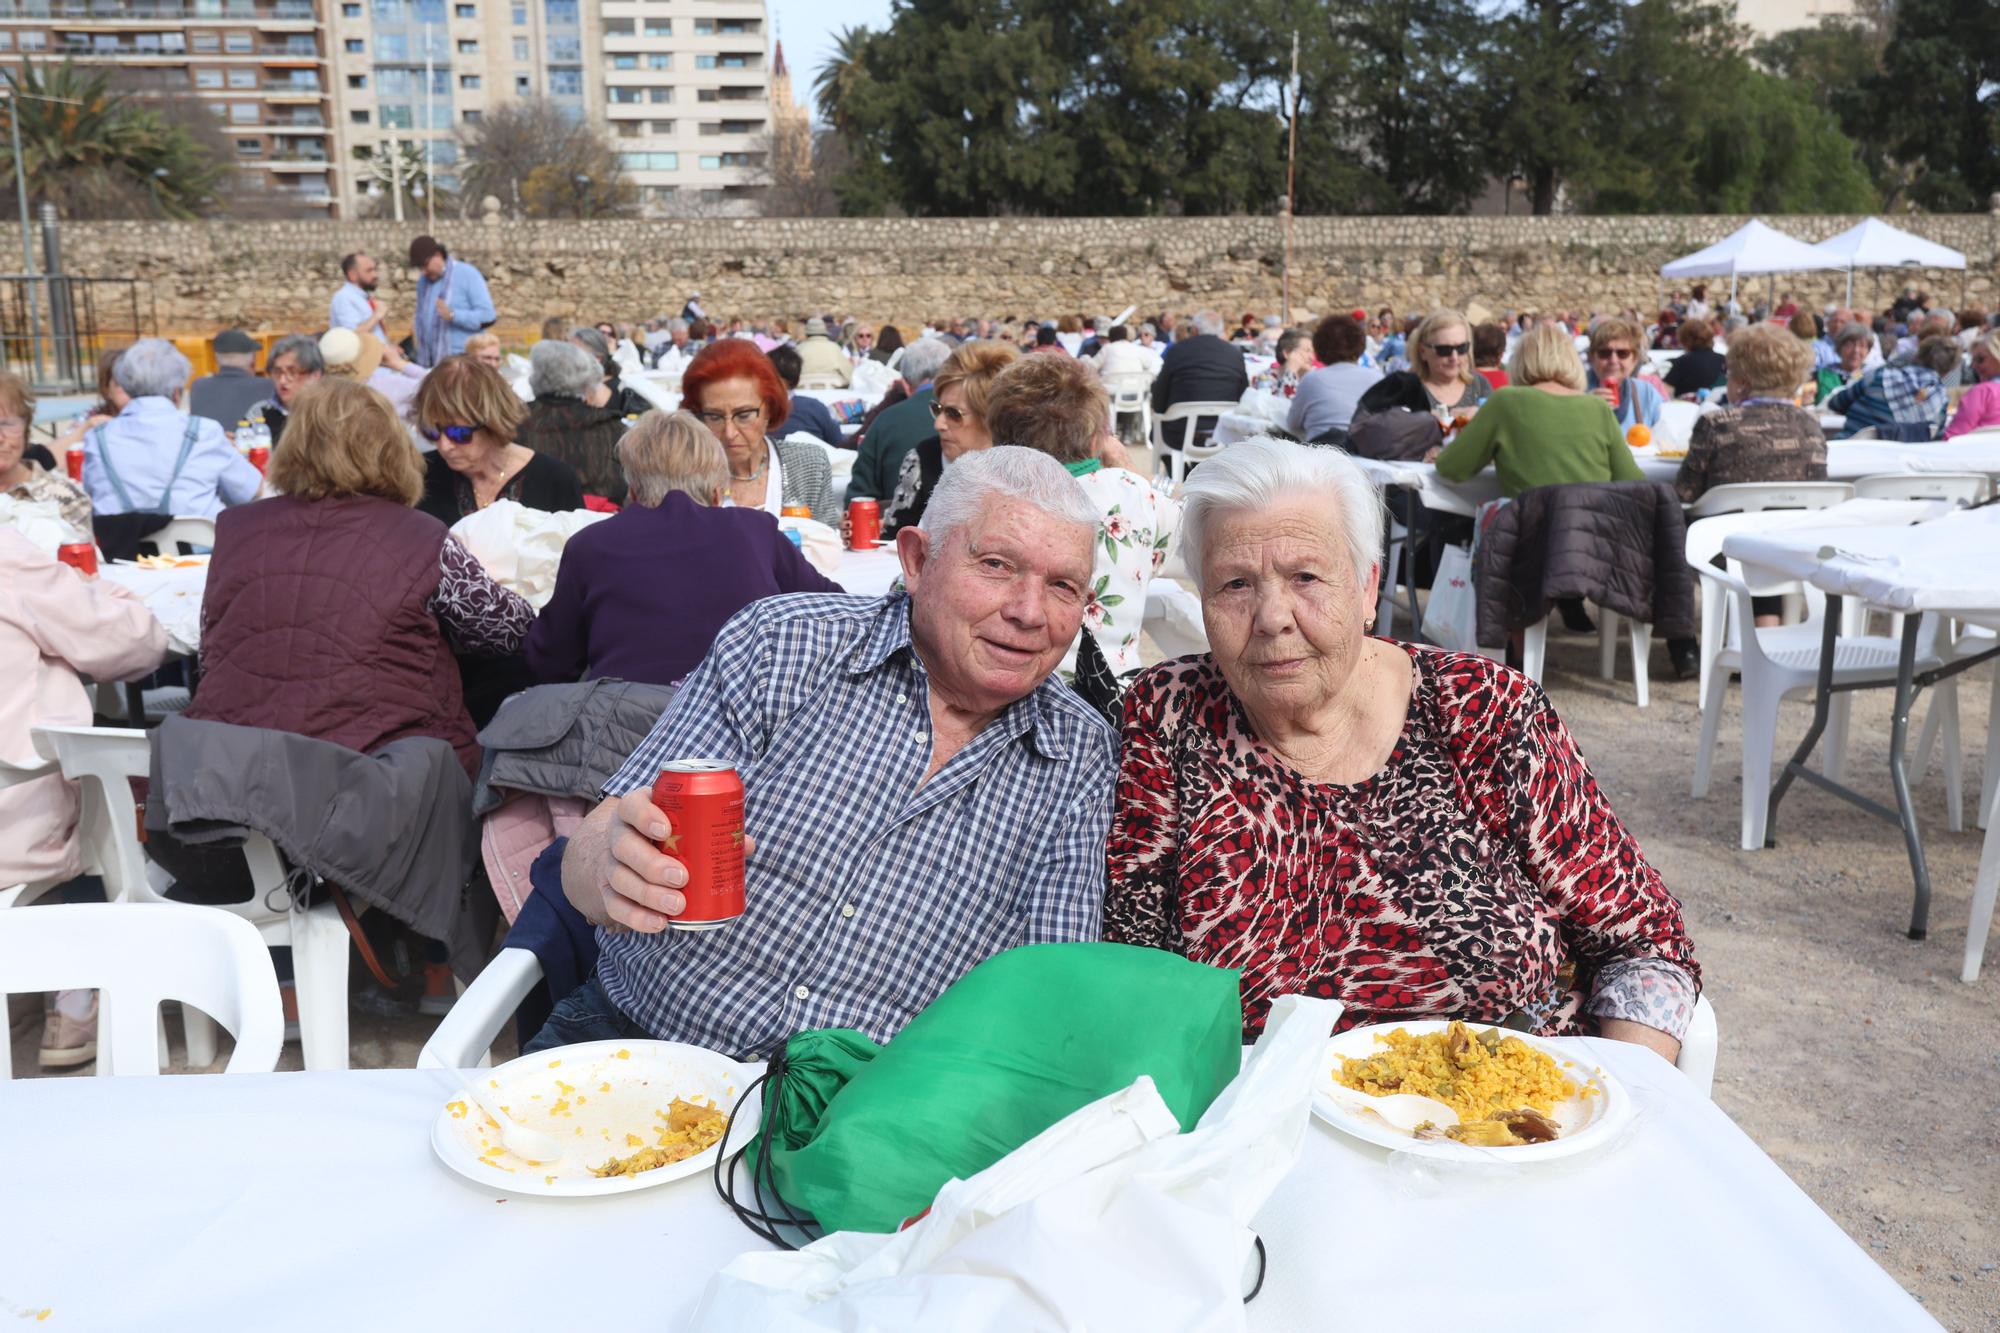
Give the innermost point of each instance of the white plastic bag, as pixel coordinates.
(1451, 617)
(40, 521)
(1106, 1220)
(521, 547)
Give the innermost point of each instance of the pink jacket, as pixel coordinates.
(1979, 409)
(55, 624)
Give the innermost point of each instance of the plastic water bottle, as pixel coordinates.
(260, 435)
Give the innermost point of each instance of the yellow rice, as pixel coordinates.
(1485, 1077)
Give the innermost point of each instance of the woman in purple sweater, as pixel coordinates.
(641, 595)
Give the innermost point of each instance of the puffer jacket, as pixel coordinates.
(564, 740)
(1621, 544)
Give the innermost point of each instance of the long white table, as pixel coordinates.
(313, 1201)
(172, 595)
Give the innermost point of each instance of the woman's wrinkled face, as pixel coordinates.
(13, 436)
(1447, 355)
(734, 410)
(474, 454)
(960, 431)
(488, 354)
(1300, 359)
(1853, 353)
(287, 377)
(1984, 364)
(1284, 610)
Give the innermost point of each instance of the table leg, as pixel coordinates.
(1899, 773)
(1822, 706)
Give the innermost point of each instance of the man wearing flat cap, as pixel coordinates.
(228, 395)
(452, 302)
(821, 358)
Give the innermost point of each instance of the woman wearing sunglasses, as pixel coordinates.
(958, 411)
(469, 414)
(734, 390)
(1441, 380)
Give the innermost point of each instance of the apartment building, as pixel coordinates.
(413, 71)
(687, 100)
(259, 66)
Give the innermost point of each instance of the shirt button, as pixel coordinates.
(902, 698)
(847, 910)
(918, 736)
(803, 993)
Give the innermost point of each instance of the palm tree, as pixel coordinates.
(96, 152)
(837, 76)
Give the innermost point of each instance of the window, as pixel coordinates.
(249, 148)
(238, 43)
(431, 11)
(710, 127)
(704, 62)
(565, 50)
(625, 96)
(467, 12)
(739, 159)
(34, 41)
(713, 196)
(629, 129)
(395, 117)
(520, 16)
(243, 113)
(707, 95)
(520, 48)
(393, 82)
(659, 61)
(711, 162)
(355, 46)
(735, 61)
(357, 80)
(523, 85)
(440, 82)
(742, 126)
(624, 62)
(661, 193)
(221, 109)
(659, 27)
(203, 41)
(468, 48)
(617, 27)
(663, 128)
(357, 117)
(471, 118)
(350, 11)
(650, 161)
(657, 96)
(565, 83)
(243, 78)
(561, 13)
(392, 11)
(704, 27)
(208, 78)
(735, 27)
(469, 82)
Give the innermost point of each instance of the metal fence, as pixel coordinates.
(52, 326)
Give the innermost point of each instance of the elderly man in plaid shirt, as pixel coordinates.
(1901, 402)
(919, 794)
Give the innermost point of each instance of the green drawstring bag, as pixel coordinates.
(860, 1137)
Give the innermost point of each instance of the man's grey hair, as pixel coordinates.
(1854, 333)
(1006, 471)
(303, 348)
(241, 360)
(677, 325)
(152, 368)
(1260, 472)
(1207, 321)
(562, 369)
(592, 341)
(1733, 323)
(923, 359)
(1938, 354)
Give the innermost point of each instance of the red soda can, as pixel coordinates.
(73, 461)
(703, 802)
(260, 456)
(864, 524)
(80, 556)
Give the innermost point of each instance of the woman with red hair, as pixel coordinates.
(735, 391)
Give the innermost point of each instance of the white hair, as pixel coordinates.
(1005, 471)
(1207, 321)
(1263, 471)
(561, 368)
(923, 359)
(152, 368)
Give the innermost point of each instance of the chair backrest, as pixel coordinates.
(192, 531)
(137, 954)
(100, 760)
(1750, 497)
(1967, 488)
(1704, 545)
(820, 381)
(1183, 411)
(1699, 1045)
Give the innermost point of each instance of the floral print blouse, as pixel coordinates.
(1137, 530)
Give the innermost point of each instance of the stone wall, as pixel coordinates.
(278, 275)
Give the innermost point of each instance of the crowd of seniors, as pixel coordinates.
(1305, 802)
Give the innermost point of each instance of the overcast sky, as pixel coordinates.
(807, 27)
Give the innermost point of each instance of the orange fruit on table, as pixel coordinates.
(1639, 436)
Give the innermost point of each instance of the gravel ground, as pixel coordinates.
(1829, 1015)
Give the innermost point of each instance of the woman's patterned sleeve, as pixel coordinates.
(481, 618)
(1612, 903)
(1142, 894)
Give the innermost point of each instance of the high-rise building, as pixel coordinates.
(259, 66)
(687, 100)
(411, 72)
(1767, 18)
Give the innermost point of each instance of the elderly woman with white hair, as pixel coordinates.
(562, 424)
(1407, 830)
(600, 621)
(295, 364)
(153, 458)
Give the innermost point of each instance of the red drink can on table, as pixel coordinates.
(80, 556)
(703, 802)
(864, 524)
(73, 461)
(260, 456)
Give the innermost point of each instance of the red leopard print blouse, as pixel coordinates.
(1479, 873)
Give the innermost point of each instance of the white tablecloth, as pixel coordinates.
(1848, 459)
(313, 1201)
(869, 573)
(1465, 497)
(172, 595)
(1926, 567)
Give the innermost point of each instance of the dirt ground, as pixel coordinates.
(1830, 1017)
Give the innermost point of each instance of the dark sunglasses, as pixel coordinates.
(456, 434)
(1617, 353)
(1451, 349)
(952, 414)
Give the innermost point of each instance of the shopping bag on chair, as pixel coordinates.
(1451, 616)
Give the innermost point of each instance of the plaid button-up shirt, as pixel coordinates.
(1909, 397)
(870, 889)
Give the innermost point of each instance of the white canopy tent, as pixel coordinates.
(1876, 244)
(1752, 248)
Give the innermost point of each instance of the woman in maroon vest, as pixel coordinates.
(334, 610)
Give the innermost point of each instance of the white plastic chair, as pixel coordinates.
(101, 759)
(465, 1037)
(1965, 488)
(1753, 497)
(1178, 460)
(1942, 717)
(192, 531)
(1699, 1046)
(136, 955)
(1130, 397)
(1534, 651)
(820, 381)
(1986, 880)
(1776, 662)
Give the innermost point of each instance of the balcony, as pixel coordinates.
(127, 13)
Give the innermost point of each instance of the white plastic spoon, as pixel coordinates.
(1400, 1110)
(530, 1145)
